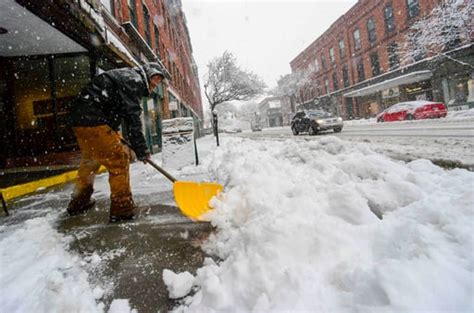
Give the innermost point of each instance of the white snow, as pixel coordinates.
(178, 285)
(299, 230)
(121, 306)
(38, 274)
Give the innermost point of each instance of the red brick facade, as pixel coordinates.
(169, 39)
(385, 34)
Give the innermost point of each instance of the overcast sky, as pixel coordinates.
(263, 35)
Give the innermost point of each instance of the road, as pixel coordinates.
(443, 141)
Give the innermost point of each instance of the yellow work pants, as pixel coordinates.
(101, 145)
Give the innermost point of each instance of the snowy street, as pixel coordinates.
(448, 142)
(318, 225)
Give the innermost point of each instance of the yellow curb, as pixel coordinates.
(38, 185)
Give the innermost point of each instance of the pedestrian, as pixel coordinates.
(110, 99)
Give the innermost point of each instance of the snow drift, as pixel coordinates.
(330, 225)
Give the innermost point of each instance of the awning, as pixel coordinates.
(116, 45)
(390, 83)
(27, 34)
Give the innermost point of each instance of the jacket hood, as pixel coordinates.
(154, 68)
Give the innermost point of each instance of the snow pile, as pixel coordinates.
(178, 285)
(38, 274)
(329, 225)
(463, 114)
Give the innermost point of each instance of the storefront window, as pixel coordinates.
(42, 91)
(458, 91)
(71, 74)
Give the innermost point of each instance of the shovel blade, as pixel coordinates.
(193, 198)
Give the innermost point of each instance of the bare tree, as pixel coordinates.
(226, 81)
(449, 25)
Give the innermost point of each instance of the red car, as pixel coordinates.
(413, 110)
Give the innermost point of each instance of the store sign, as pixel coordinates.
(390, 93)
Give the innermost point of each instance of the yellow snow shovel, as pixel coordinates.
(192, 197)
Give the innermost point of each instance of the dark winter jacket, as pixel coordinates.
(110, 98)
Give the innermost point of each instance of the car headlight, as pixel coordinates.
(339, 119)
(320, 121)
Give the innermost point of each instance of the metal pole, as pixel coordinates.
(4, 205)
(196, 151)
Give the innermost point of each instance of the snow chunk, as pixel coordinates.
(179, 285)
(121, 306)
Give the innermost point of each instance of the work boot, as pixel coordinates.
(81, 202)
(122, 211)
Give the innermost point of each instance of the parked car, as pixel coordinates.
(313, 121)
(413, 110)
(256, 127)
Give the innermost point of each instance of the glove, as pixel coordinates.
(144, 157)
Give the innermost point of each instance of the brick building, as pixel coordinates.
(356, 67)
(50, 49)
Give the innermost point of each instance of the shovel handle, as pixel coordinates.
(158, 168)
(161, 170)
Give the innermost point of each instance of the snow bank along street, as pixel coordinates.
(321, 225)
(448, 142)
(328, 225)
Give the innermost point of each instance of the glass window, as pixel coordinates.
(157, 41)
(323, 62)
(42, 98)
(357, 43)
(374, 62)
(360, 70)
(371, 30)
(345, 76)
(132, 7)
(332, 56)
(389, 18)
(413, 8)
(342, 48)
(393, 60)
(316, 65)
(146, 15)
(334, 81)
(326, 85)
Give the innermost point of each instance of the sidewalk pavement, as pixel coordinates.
(127, 259)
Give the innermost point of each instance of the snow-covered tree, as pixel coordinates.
(447, 26)
(247, 111)
(299, 86)
(226, 81)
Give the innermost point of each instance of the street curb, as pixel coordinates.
(38, 185)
